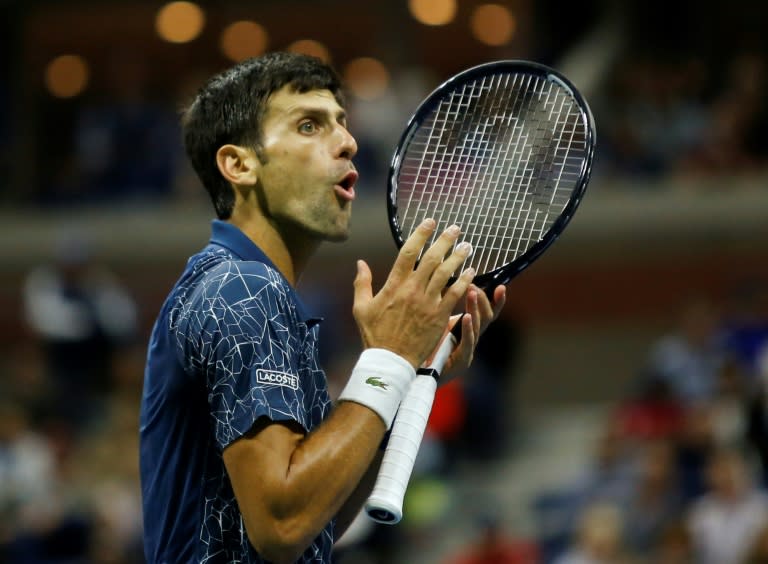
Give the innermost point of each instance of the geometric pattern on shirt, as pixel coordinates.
(232, 319)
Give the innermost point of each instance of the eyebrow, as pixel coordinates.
(318, 112)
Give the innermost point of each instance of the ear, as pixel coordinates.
(238, 165)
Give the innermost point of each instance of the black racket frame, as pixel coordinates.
(505, 273)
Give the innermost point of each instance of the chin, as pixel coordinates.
(338, 231)
(338, 236)
(333, 233)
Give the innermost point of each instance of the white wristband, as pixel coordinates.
(379, 381)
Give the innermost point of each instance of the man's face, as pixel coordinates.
(307, 177)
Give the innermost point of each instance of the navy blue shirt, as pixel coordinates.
(232, 343)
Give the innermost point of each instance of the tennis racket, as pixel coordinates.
(504, 150)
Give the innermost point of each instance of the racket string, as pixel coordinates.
(522, 187)
(479, 165)
(518, 156)
(499, 157)
(447, 219)
(518, 247)
(431, 180)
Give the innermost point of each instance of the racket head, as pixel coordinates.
(515, 95)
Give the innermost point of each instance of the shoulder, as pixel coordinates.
(230, 294)
(215, 273)
(237, 281)
(224, 302)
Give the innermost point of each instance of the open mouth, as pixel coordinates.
(345, 188)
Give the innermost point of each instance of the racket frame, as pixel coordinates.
(503, 274)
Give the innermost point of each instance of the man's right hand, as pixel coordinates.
(408, 316)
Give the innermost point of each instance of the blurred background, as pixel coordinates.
(616, 412)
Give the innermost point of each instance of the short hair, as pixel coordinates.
(230, 106)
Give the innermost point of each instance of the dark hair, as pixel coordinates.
(230, 106)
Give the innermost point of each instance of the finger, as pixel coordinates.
(472, 327)
(468, 341)
(473, 308)
(433, 257)
(456, 290)
(363, 284)
(499, 299)
(409, 252)
(489, 310)
(448, 267)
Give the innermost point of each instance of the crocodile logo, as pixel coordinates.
(376, 382)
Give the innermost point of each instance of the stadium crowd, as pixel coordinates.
(679, 473)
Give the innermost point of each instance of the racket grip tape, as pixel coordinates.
(435, 368)
(385, 504)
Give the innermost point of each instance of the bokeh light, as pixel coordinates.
(312, 48)
(66, 76)
(366, 77)
(179, 22)
(243, 39)
(433, 12)
(493, 24)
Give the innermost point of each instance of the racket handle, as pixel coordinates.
(385, 504)
(443, 352)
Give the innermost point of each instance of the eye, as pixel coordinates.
(307, 126)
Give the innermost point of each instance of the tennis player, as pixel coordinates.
(243, 457)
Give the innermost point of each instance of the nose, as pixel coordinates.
(347, 147)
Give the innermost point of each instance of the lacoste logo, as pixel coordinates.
(376, 382)
(270, 377)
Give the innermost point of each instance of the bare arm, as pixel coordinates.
(290, 485)
(354, 504)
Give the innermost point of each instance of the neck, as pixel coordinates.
(290, 253)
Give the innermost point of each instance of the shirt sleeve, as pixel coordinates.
(247, 348)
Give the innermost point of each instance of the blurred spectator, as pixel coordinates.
(652, 114)
(696, 443)
(105, 474)
(128, 147)
(663, 115)
(728, 413)
(27, 466)
(599, 537)
(726, 521)
(745, 327)
(656, 502)
(493, 546)
(66, 499)
(80, 314)
(612, 474)
(609, 478)
(651, 413)
(736, 141)
(40, 522)
(745, 335)
(689, 359)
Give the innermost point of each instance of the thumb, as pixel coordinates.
(363, 279)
